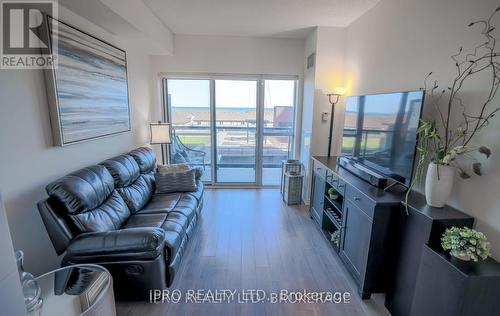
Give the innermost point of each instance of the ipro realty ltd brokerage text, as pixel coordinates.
(247, 296)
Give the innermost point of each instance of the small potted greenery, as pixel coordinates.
(466, 244)
(333, 194)
(335, 238)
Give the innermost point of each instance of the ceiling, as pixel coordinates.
(271, 18)
(100, 14)
(132, 22)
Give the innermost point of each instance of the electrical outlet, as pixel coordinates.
(324, 116)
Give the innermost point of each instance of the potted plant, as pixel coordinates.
(335, 238)
(447, 143)
(333, 194)
(466, 244)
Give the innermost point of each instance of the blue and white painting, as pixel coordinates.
(91, 86)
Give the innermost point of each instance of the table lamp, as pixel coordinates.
(160, 135)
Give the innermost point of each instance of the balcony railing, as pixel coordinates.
(236, 143)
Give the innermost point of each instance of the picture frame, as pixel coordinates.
(87, 87)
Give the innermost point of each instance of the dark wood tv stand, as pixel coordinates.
(362, 215)
(386, 249)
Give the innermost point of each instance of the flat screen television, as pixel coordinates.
(380, 132)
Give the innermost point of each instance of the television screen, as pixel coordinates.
(380, 132)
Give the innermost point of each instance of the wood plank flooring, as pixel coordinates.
(249, 239)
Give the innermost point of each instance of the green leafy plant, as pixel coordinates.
(466, 243)
(333, 194)
(335, 238)
(444, 142)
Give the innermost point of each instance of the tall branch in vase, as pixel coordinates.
(447, 145)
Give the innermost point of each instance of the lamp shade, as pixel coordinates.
(160, 133)
(335, 91)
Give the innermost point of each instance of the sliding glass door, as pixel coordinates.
(239, 130)
(278, 126)
(190, 115)
(236, 131)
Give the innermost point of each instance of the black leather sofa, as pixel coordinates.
(109, 214)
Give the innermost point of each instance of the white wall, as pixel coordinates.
(330, 48)
(28, 161)
(328, 73)
(307, 114)
(232, 54)
(396, 44)
(227, 55)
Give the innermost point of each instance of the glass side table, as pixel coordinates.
(83, 289)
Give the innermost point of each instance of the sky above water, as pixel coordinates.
(230, 93)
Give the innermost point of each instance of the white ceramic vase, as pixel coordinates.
(438, 184)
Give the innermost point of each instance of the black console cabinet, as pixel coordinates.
(423, 225)
(362, 215)
(356, 240)
(462, 289)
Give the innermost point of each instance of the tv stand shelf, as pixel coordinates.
(335, 222)
(336, 204)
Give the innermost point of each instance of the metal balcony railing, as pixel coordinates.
(236, 144)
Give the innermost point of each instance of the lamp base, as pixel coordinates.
(162, 154)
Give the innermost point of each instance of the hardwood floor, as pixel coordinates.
(248, 239)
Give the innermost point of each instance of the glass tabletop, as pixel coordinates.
(75, 290)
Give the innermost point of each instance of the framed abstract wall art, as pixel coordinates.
(87, 87)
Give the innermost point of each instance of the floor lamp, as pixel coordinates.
(333, 98)
(160, 135)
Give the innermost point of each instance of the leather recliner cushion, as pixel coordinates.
(172, 221)
(135, 188)
(117, 245)
(82, 190)
(186, 206)
(138, 194)
(174, 225)
(124, 170)
(110, 215)
(161, 203)
(89, 199)
(182, 203)
(145, 158)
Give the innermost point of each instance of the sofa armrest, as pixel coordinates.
(116, 245)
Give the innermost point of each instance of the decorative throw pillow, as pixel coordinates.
(176, 182)
(178, 167)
